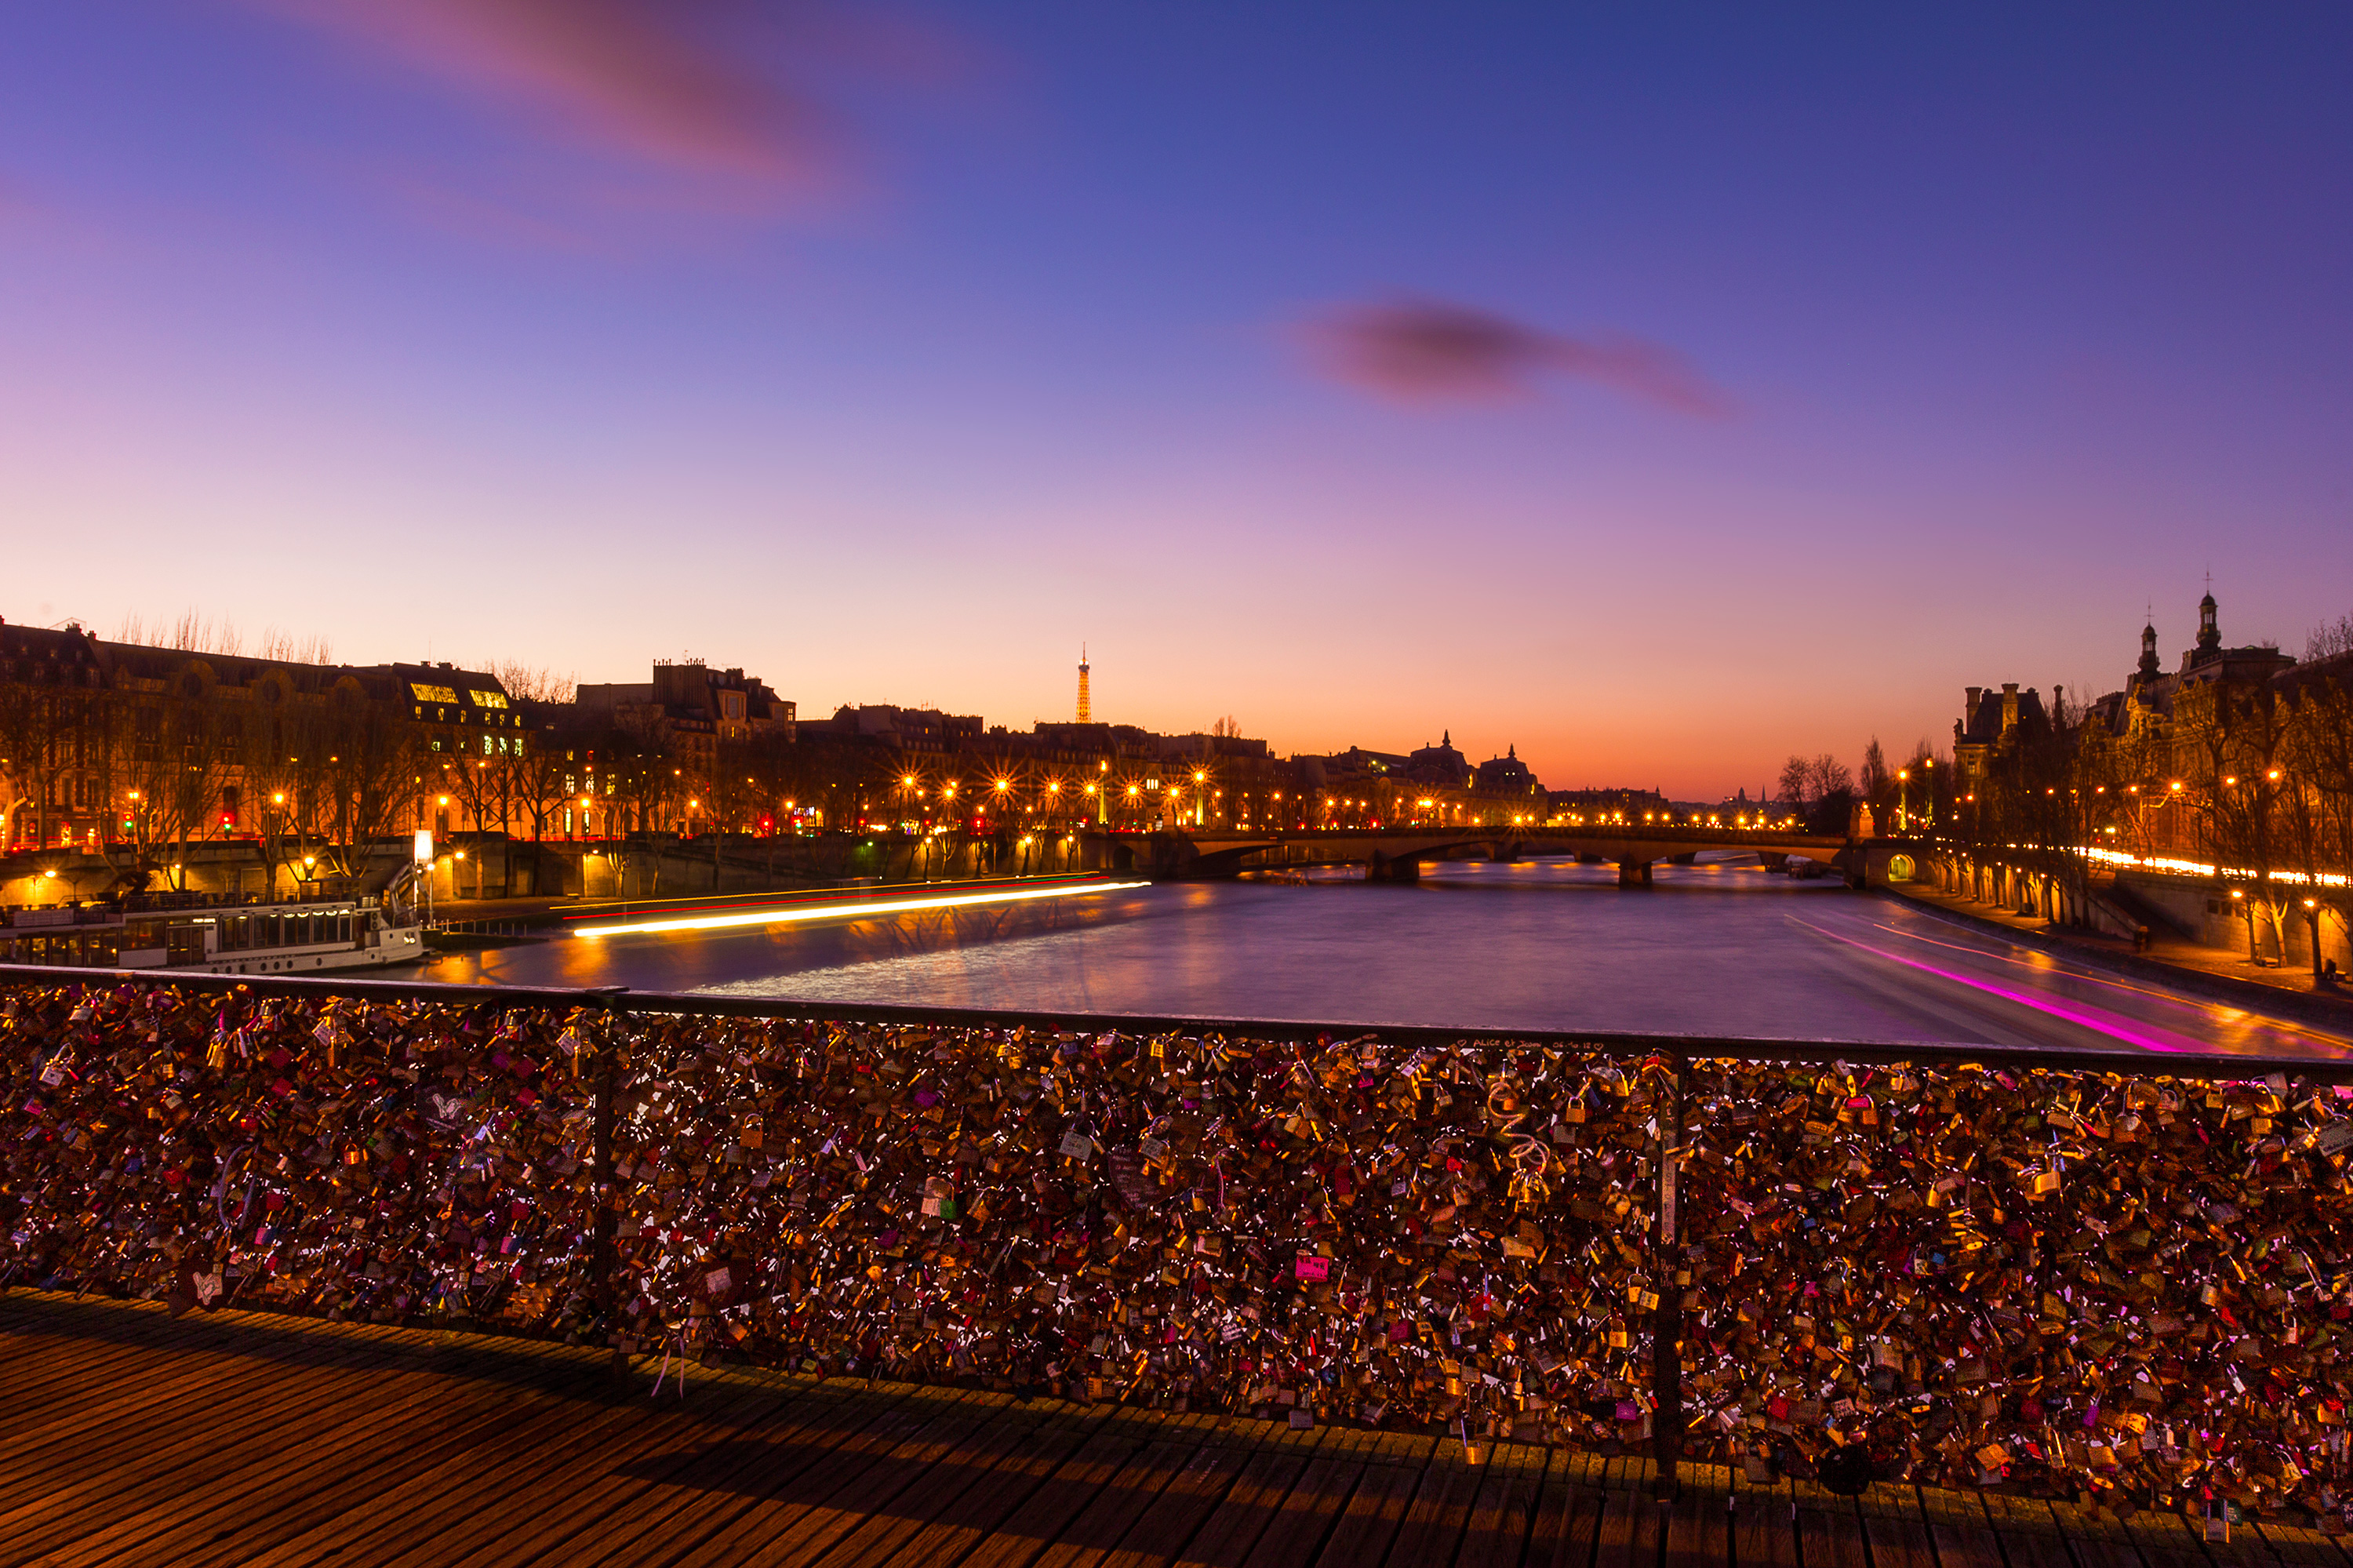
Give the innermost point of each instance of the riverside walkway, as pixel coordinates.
(130, 1436)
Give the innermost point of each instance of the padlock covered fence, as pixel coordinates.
(2073, 1274)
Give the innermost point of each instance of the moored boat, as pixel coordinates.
(186, 932)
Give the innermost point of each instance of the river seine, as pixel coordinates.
(1719, 948)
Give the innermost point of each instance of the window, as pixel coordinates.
(486, 699)
(425, 694)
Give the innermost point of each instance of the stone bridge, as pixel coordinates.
(1394, 854)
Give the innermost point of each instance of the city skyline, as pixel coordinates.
(1595, 388)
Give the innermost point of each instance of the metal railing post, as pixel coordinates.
(1667, 1322)
(600, 1261)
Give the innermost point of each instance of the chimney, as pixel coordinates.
(1970, 715)
(2009, 706)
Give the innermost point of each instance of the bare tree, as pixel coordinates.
(2328, 639)
(2239, 801)
(475, 783)
(372, 768)
(280, 647)
(533, 682)
(181, 755)
(2318, 794)
(1819, 791)
(1876, 782)
(23, 732)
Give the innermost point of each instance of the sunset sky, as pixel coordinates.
(1664, 390)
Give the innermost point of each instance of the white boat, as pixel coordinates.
(177, 933)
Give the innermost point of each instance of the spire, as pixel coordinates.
(1083, 706)
(2210, 634)
(2148, 646)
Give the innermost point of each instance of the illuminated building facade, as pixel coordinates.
(109, 743)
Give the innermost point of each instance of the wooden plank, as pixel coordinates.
(47, 1368)
(311, 1498)
(1433, 1525)
(518, 1460)
(653, 1435)
(1897, 1540)
(2298, 1546)
(1232, 1529)
(2029, 1532)
(887, 1536)
(2244, 1549)
(1298, 1527)
(1828, 1534)
(2095, 1538)
(698, 1491)
(1556, 1499)
(2164, 1539)
(1081, 1497)
(1497, 1533)
(75, 1440)
(1192, 1494)
(1631, 1526)
(1369, 1520)
(242, 1487)
(982, 1507)
(1764, 1528)
(305, 1497)
(1959, 1530)
(829, 1492)
(1106, 1520)
(369, 1524)
(1698, 1526)
(222, 1376)
(219, 1426)
(1579, 1542)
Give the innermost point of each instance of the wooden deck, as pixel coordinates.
(128, 1437)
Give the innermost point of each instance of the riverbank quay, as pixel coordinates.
(2169, 960)
(2115, 1278)
(350, 1443)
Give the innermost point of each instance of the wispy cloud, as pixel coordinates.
(1428, 351)
(706, 88)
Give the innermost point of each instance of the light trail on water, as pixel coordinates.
(776, 917)
(2098, 1023)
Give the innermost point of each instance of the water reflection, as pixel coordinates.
(1720, 948)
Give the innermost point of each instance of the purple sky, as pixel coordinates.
(1663, 392)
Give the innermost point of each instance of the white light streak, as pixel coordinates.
(2196, 868)
(828, 911)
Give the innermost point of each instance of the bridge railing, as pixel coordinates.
(2079, 1271)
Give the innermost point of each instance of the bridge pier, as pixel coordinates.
(1585, 859)
(1401, 868)
(1502, 854)
(1633, 873)
(1691, 859)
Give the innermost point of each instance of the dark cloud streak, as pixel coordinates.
(705, 89)
(1428, 351)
